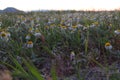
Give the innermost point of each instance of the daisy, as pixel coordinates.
(29, 44)
(108, 46)
(37, 34)
(4, 36)
(72, 55)
(28, 37)
(117, 31)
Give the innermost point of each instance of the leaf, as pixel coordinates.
(53, 73)
(33, 69)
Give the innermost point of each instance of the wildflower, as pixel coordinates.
(72, 31)
(37, 25)
(37, 34)
(4, 36)
(96, 23)
(110, 25)
(108, 46)
(37, 30)
(85, 28)
(72, 56)
(70, 28)
(79, 25)
(8, 34)
(92, 26)
(28, 37)
(31, 30)
(47, 27)
(68, 24)
(117, 31)
(32, 23)
(52, 25)
(64, 27)
(74, 27)
(29, 44)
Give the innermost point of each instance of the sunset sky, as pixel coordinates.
(28, 5)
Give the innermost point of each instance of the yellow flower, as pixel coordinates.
(64, 27)
(29, 44)
(74, 27)
(110, 24)
(47, 27)
(62, 21)
(3, 34)
(37, 30)
(96, 23)
(108, 46)
(31, 30)
(52, 25)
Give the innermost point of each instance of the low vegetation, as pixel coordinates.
(55, 45)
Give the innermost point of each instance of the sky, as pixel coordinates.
(28, 5)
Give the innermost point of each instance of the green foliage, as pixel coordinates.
(53, 73)
(85, 33)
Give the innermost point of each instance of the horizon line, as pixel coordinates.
(92, 9)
